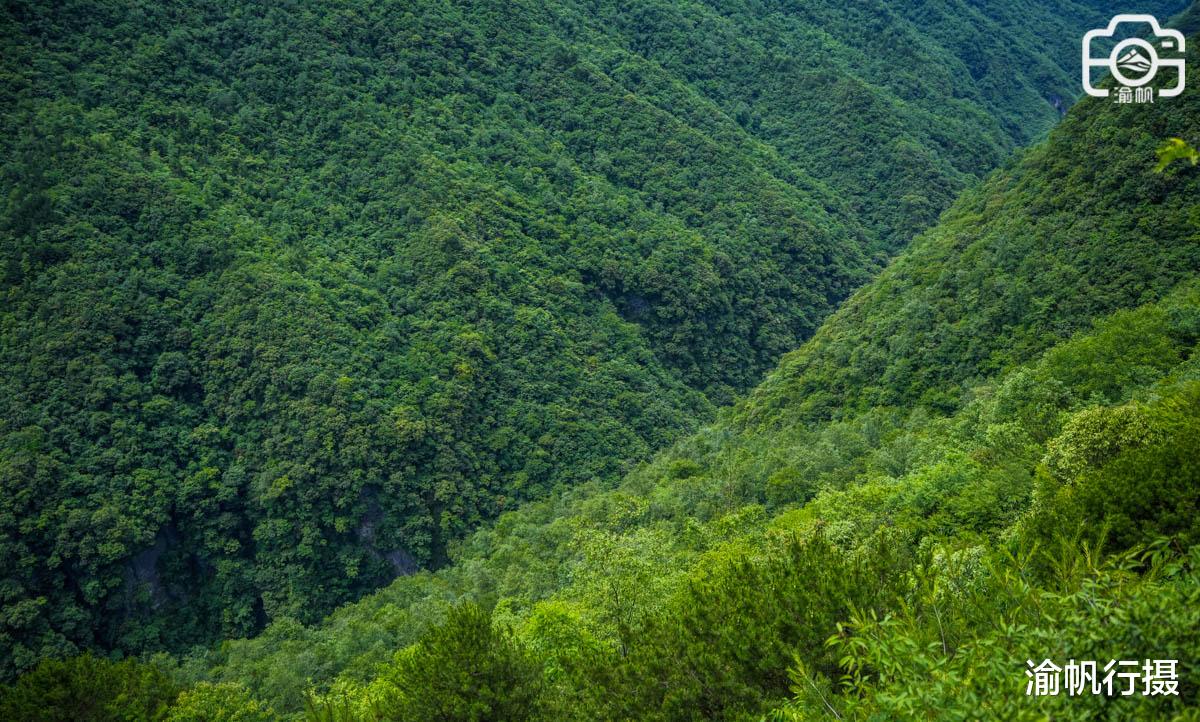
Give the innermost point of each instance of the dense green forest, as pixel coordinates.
(869, 535)
(421, 314)
(296, 295)
(895, 547)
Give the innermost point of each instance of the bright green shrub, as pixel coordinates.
(952, 653)
(467, 670)
(218, 703)
(719, 647)
(88, 689)
(1125, 474)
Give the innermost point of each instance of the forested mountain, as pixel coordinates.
(918, 500)
(296, 294)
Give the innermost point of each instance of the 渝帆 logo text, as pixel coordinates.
(1144, 67)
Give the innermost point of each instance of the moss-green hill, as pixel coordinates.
(297, 294)
(988, 455)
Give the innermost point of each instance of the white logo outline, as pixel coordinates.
(1111, 63)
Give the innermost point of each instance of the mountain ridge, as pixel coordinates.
(298, 295)
(645, 598)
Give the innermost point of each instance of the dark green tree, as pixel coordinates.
(465, 670)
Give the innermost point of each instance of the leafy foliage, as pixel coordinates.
(218, 703)
(465, 669)
(1033, 495)
(295, 296)
(939, 659)
(298, 296)
(89, 689)
(1175, 149)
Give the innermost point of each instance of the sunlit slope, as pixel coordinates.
(1077, 228)
(933, 404)
(295, 297)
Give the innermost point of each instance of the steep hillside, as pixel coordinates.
(896, 105)
(1012, 430)
(296, 295)
(1074, 231)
